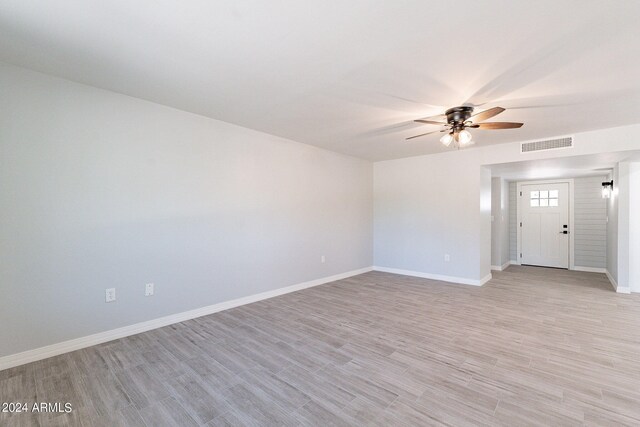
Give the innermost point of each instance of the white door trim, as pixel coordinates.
(519, 185)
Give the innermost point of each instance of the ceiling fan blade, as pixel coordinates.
(497, 125)
(486, 114)
(430, 122)
(436, 117)
(423, 134)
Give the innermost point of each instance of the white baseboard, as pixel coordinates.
(590, 269)
(485, 279)
(617, 288)
(29, 356)
(443, 278)
(514, 262)
(501, 267)
(612, 280)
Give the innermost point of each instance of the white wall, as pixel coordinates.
(634, 227)
(513, 218)
(102, 190)
(504, 221)
(612, 228)
(496, 226)
(623, 192)
(485, 224)
(500, 222)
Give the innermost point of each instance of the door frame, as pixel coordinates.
(519, 185)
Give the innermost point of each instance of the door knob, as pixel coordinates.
(564, 232)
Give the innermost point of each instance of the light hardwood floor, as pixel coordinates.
(532, 347)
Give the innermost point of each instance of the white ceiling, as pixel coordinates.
(347, 76)
(563, 167)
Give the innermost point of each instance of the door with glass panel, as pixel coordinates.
(545, 225)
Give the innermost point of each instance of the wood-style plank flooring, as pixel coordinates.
(533, 346)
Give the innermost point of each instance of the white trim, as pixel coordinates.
(78, 343)
(611, 279)
(443, 278)
(572, 233)
(501, 267)
(514, 262)
(615, 284)
(485, 279)
(590, 269)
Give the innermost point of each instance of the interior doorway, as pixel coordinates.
(598, 227)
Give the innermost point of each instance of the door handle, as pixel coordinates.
(564, 232)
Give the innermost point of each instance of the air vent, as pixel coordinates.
(549, 144)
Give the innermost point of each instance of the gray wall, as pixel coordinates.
(429, 206)
(590, 222)
(101, 190)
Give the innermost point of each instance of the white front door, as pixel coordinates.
(545, 225)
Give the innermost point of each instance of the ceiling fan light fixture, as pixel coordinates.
(446, 139)
(464, 137)
(462, 117)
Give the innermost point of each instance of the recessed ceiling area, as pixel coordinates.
(563, 167)
(347, 76)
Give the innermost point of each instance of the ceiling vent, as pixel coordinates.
(548, 144)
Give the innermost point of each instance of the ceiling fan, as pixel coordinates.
(461, 118)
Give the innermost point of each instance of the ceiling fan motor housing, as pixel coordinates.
(458, 115)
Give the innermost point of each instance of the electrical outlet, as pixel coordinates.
(110, 295)
(447, 257)
(322, 259)
(148, 289)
